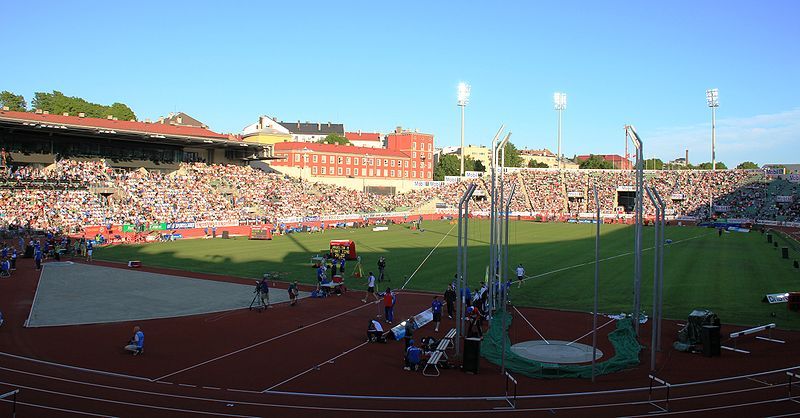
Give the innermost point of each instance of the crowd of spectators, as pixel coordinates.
(69, 194)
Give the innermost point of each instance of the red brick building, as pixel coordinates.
(408, 155)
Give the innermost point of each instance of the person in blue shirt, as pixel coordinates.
(341, 266)
(436, 309)
(136, 343)
(89, 250)
(5, 268)
(37, 258)
(14, 259)
(413, 357)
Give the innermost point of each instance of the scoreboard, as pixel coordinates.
(343, 248)
(260, 233)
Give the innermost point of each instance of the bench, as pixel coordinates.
(449, 338)
(433, 361)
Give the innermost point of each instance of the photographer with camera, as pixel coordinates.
(381, 268)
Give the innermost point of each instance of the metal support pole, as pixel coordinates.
(462, 141)
(713, 138)
(660, 249)
(596, 281)
(502, 280)
(637, 258)
(559, 139)
(654, 323)
(461, 263)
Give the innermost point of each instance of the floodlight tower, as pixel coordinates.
(712, 98)
(463, 99)
(559, 104)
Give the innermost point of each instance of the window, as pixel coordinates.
(347, 171)
(297, 158)
(392, 164)
(378, 162)
(314, 158)
(324, 171)
(413, 145)
(324, 159)
(314, 170)
(406, 163)
(371, 162)
(386, 163)
(414, 174)
(364, 161)
(414, 154)
(385, 172)
(339, 170)
(413, 164)
(392, 173)
(355, 171)
(370, 172)
(405, 173)
(348, 160)
(339, 160)
(429, 174)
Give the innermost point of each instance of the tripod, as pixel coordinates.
(257, 302)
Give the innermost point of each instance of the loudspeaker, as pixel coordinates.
(711, 340)
(472, 354)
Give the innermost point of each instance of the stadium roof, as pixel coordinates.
(309, 128)
(341, 149)
(115, 126)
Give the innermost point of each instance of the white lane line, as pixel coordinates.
(534, 328)
(66, 366)
(53, 408)
(428, 256)
(589, 333)
(604, 259)
(315, 367)
(260, 343)
(35, 296)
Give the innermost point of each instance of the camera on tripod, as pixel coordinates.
(261, 287)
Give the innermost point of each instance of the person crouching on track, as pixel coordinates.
(293, 293)
(136, 343)
(375, 332)
(413, 357)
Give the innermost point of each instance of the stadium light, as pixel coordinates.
(712, 99)
(463, 99)
(559, 104)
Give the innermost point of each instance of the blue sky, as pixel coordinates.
(377, 65)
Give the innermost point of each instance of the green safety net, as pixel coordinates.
(626, 349)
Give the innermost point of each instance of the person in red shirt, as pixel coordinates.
(389, 300)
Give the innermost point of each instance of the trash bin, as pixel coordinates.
(472, 355)
(711, 340)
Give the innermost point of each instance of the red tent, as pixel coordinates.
(343, 247)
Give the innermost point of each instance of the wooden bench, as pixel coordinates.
(433, 361)
(449, 338)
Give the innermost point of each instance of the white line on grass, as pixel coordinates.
(603, 259)
(259, 343)
(315, 367)
(534, 328)
(426, 258)
(589, 333)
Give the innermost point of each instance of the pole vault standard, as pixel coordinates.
(657, 256)
(493, 221)
(637, 241)
(660, 249)
(596, 280)
(501, 282)
(461, 262)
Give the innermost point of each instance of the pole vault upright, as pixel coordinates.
(637, 240)
(495, 205)
(461, 262)
(501, 281)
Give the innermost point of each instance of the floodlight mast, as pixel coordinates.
(559, 104)
(712, 99)
(463, 99)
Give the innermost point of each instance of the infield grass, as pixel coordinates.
(728, 274)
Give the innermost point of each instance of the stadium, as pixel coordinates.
(303, 209)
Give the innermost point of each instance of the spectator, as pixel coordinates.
(136, 343)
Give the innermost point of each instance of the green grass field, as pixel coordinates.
(728, 274)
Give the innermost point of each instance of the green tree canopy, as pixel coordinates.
(595, 162)
(653, 164)
(535, 164)
(747, 165)
(14, 102)
(57, 103)
(512, 155)
(477, 166)
(449, 165)
(335, 139)
(707, 166)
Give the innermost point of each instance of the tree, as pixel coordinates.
(596, 162)
(653, 164)
(535, 164)
(334, 139)
(479, 166)
(57, 103)
(512, 156)
(747, 165)
(449, 165)
(708, 166)
(14, 102)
